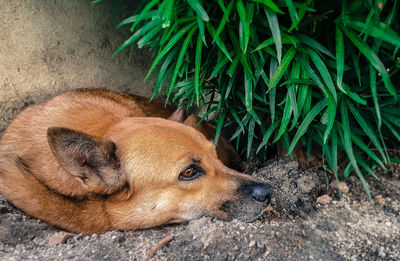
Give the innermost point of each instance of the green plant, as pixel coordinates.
(316, 72)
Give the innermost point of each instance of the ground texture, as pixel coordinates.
(294, 227)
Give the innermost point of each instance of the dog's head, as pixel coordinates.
(158, 171)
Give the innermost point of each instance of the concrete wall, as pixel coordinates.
(49, 46)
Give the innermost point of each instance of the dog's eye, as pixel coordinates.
(191, 172)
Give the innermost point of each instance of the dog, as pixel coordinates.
(89, 161)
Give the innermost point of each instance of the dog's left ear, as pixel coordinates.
(93, 161)
(179, 115)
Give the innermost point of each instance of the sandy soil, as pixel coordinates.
(50, 46)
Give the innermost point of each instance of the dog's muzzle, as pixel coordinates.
(253, 198)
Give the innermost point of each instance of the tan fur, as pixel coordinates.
(123, 171)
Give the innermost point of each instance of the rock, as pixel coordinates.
(342, 186)
(59, 238)
(380, 200)
(305, 184)
(324, 199)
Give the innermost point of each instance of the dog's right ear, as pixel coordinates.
(93, 161)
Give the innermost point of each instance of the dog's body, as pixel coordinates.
(91, 160)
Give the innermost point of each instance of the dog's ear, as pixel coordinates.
(179, 115)
(92, 160)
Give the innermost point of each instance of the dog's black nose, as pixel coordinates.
(261, 192)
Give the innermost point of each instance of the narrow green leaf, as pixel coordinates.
(133, 18)
(179, 61)
(220, 123)
(198, 8)
(143, 13)
(306, 122)
(367, 129)
(243, 26)
(270, 4)
(372, 82)
(339, 58)
(314, 44)
(163, 73)
(292, 13)
(200, 22)
(267, 135)
(276, 32)
(272, 93)
(170, 44)
(248, 87)
(287, 112)
(367, 150)
(224, 20)
(250, 136)
(392, 129)
(197, 68)
(372, 58)
(282, 68)
(348, 147)
(167, 13)
(321, 67)
(137, 34)
(218, 40)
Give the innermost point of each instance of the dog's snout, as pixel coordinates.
(259, 191)
(262, 192)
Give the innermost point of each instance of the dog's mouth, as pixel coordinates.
(253, 199)
(246, 210)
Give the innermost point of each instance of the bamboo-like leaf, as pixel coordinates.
(367, 150)
(218, 40)
(320, 65)
(243, 26)
(220, 124)
(392, 129)
(348, 147)
(248, 87)
(292, 13)
(287, 112)
(200, 22)
(314, 44)
(250, 136)
(137, 34)
(272, 93)
(133, 18)
(179, 61)
(148, 36)
(168, 13)
(270, 4)
(339, 58)
(372, 58)
(162, 74)
(197, 68)
(267, 135)
(276, 32)
(329, 100)
(382, 32)
(306, 123)
(170, 44)
(282, 68)
(367, 129)
(224, 20)
(372, 82)
(143, 13)
(198, 8)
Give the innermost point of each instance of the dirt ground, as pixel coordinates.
(50, 46)
(295, 227)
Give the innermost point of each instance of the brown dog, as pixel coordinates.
(91, 160)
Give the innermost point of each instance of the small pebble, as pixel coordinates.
(324, 199)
